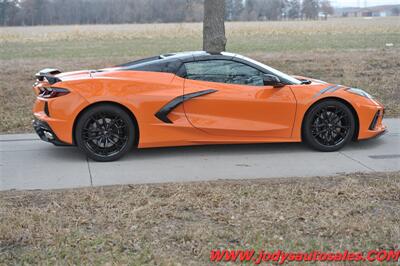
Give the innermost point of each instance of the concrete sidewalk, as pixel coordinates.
(29, 163)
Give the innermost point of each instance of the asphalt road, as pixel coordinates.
(29, 163)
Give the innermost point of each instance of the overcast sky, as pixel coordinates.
(343, 3)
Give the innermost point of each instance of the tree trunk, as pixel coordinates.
(214, 40)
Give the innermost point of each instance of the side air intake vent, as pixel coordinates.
(374, 121)
(46, 109)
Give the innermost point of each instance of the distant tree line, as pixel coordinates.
(48, 12)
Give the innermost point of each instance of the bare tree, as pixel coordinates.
(326, 8)
(233, 9)
(294, 8)
(310, 9)
(395, 11)
(214, 39)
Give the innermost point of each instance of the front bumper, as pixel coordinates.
(370, 121)
(45, 133)
(381, 133)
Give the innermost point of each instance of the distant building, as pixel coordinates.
(375, 11)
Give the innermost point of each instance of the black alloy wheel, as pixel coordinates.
(105, 133)
(329, 126)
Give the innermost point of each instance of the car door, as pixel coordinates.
(230, 99)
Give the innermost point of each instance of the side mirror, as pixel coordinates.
(271, 80)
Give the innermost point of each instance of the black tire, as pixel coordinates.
(328, 126)
(105, 133)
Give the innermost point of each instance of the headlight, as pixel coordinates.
(359, 92)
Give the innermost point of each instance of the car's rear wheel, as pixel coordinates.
(328, 126)
(105, 132)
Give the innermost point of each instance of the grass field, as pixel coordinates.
(345, 51)
(178, 224)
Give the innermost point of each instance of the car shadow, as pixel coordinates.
(73, 154)
(220, 149)
(240, 149)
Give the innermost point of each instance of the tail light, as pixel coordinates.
(51, 92)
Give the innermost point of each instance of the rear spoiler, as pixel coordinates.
(48, 75)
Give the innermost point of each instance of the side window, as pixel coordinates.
(224, 71)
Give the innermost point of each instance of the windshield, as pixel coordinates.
(273, 71)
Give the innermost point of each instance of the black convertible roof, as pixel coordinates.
(174, 63)
(171, 62)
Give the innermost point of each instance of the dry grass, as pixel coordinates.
(345, 51)
(181, 223)
(117, 32)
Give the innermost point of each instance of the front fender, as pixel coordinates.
(306, 96)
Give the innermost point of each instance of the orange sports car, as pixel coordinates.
(195, 98)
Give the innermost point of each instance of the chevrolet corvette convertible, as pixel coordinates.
(194, 98)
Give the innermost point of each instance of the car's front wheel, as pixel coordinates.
(328, 126)
(105, 132)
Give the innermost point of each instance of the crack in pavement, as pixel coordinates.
(90, 172)
(19, 150)
(385, 156)
(11, 140)
(357, 161)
